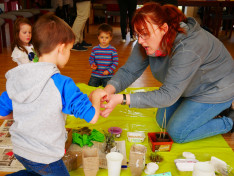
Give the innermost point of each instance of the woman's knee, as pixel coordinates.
(177, 135)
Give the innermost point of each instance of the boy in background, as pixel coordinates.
(104, 58)
(39, 96)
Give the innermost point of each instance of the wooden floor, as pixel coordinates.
(79, 70)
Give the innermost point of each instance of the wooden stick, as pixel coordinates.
(165, 121)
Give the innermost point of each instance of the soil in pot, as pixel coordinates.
(161, 139)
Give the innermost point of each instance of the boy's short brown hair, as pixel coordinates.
(48, 32)
(105, 28)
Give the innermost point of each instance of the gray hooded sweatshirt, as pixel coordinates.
(39, 96)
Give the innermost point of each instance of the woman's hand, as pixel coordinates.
(112, 101)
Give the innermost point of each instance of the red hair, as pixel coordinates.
(156, 14)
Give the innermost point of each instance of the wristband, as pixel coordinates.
(124, 100)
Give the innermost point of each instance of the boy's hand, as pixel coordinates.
(96, 98)
(94, 66)
(98, 94)
(105, 72)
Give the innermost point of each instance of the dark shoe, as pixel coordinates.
(231, 115)
(229, 112)
(85, 44)
(77, 47)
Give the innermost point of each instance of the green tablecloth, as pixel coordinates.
(131, 119)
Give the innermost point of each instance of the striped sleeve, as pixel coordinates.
(92, 57)
(115, 61)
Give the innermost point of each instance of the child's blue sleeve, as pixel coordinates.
(5, 104)
(73, 100)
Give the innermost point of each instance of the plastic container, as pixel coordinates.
(163, 146)
(203, 169)
(114, 161)
(115, 130)
(136, 136)
(151, 168)
(185, 164)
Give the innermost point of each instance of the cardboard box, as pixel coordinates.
(69, 138)
(70, 161)
(159, 146)
(90, 159)
(137, 159)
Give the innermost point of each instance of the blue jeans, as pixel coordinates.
(189, 121)
(56, 168)
(96, 81)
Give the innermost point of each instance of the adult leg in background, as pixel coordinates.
(123, 17)
(83, 12)
(193, 121)
(132, 4)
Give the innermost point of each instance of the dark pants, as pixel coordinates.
(96, 81)
(127, 9)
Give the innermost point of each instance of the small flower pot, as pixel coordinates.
(160, 144)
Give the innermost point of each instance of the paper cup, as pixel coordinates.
(114, 161)
(203, 169)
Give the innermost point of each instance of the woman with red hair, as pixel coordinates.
(196, 70)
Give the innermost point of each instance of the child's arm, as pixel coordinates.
(97, 95)
(9, 116)
(94, 66)
(115, 61)
(74, 101)
(92, 58)
(5, 107)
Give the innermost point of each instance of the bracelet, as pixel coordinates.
(124, 100)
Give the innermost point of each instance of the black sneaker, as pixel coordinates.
(77, 47)
(85, 44)
(231, 115)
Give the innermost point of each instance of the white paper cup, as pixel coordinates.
(114, 161)
(203, 169)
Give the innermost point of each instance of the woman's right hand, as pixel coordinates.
(112, 101)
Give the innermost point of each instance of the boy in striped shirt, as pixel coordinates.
(104, 58)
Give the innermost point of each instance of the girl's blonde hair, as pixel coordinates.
(16, 40)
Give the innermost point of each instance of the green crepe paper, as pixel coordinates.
(132, 120)
(77, 139)
(97, 136)
(84, 139)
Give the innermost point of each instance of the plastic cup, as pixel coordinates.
(151, 168)
(203, 169)
(114, 161)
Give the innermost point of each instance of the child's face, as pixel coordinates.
(25, 34)
(104, 39)
(65, 56)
